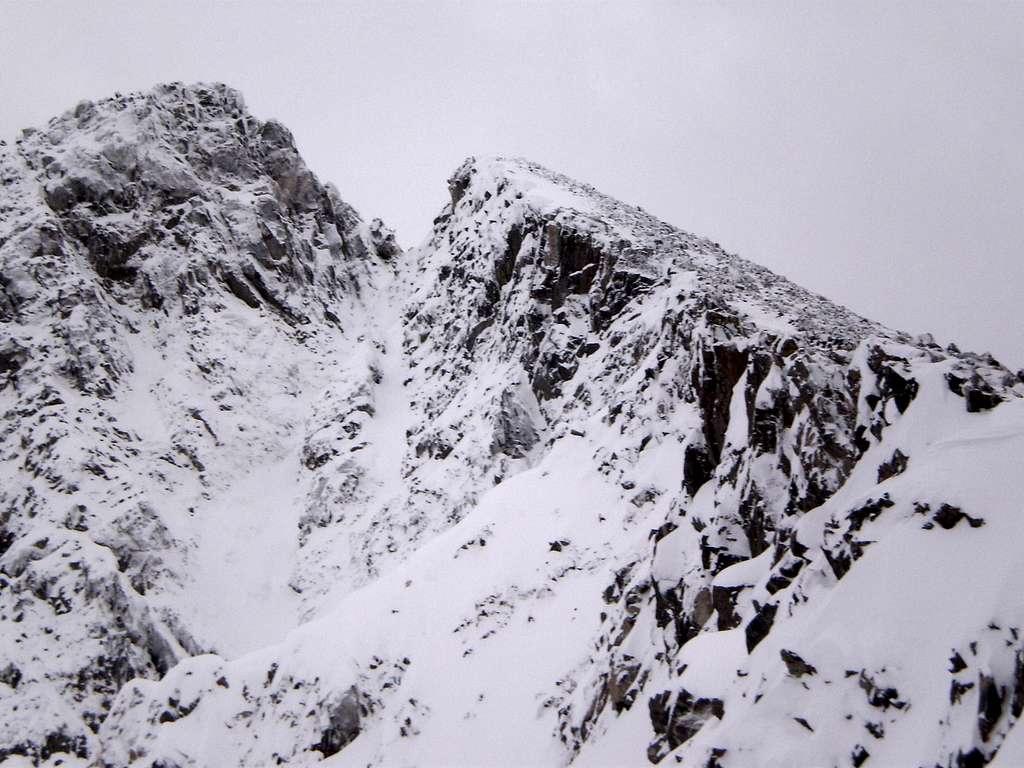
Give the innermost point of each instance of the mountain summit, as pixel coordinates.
(563, 485)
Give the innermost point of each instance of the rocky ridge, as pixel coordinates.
(661, 483)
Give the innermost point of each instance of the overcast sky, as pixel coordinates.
(871, 152)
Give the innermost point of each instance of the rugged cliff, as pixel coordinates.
(179, 295)
(562, 485)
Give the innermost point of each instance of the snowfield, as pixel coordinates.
(564, 485)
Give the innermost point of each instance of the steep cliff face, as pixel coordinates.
(564, 484)
(178, 294)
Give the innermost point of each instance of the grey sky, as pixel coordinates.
(871, 152)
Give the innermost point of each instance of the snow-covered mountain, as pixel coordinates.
(563, 485)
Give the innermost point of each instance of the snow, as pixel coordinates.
(446, 495)
(242, 600)
(745, 573)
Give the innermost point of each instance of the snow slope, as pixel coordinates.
(564, 485)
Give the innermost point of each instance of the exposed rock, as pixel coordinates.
(796, 666)
(676, 717)
(757, 628)
(947, 516)
(344, 724)
(894, 466)
(515, 433)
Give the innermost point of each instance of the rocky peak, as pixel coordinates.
(182, 185)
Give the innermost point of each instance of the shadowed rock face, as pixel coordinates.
(343, 725)
(196, 323)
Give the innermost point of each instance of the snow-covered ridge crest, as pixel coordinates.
(563, 485)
